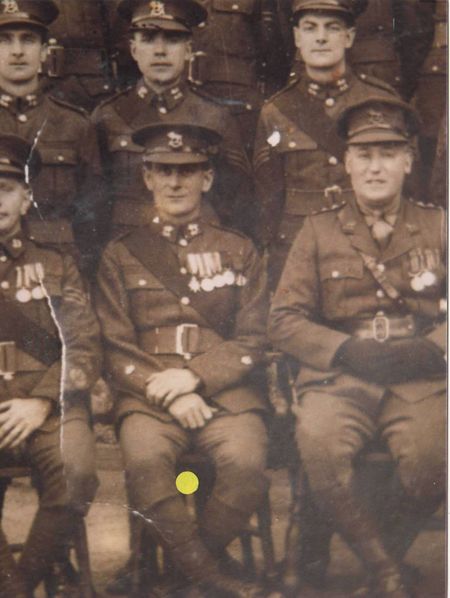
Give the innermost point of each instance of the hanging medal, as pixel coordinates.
(194, 283)
(38, 291)
(23, 295)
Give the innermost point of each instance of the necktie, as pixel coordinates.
(381, 230)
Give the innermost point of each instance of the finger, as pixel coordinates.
(9, 438)
(4, 417)
(185, 423)
(7, 427)
(206, 412)
(200, 420)
(191, 421)
(21, 438)
(168, 402)
(4, 406)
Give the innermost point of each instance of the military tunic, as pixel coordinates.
(204, 310)
(87, 52)
(298, 157)
(31, 277)
(67, 193)
(238, 57)
(130, 110)
(324, 295)
(389, 43)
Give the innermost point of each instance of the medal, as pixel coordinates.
(37, 293)
(229, 278)
(23, 296)
(219, 281)
(417, 284)
(429, 278)
(194, 285)
(208, 285)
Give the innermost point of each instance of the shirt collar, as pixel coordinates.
(20, 104)
(324, 91)
(180, 234)
(14, 246)
(165, 101)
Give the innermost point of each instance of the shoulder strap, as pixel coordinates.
(29, 337)
(309, 115)
(162, 262)
(381, 278)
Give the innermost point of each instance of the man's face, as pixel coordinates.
(161, 55)
(377, 172)
(177, 188)
(323, 40)
(14, 203)
(22, 52)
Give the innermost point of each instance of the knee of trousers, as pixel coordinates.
(150, 481)
(240, 478)
(422, 472)
(327, 457)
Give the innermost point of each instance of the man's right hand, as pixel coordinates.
(191, 411)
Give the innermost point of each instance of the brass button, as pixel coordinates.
(330, 102)
(333, 161)
(185, 301)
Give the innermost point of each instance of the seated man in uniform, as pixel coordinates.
(359, 305)
(43, 415)
(183, 306)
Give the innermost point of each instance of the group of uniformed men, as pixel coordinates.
(156, 187)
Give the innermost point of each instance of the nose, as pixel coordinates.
(17, 47)
(160, 45)
(174, 178)
(375, 163)
(321, 34)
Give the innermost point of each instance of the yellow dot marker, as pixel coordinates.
(187, 483)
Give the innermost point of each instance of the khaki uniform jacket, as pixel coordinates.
(118, 118)
(136, 308)
(293, 168)
(68, 190)
(325, 286)
(46, 287)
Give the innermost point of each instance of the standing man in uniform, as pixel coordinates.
(239, 57)
(161, 33)
(68, 192)
(182, 305)
(298, 157)
(390, 43)
(372, 348)
(82, 65)
(43, 423)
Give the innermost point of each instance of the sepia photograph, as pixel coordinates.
(223, 298)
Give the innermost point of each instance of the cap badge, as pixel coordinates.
(376, 118)
(175, 140)
(10, 7)
(157, 9)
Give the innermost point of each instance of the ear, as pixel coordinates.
(133, 48)
(44, 53)
(208, 179)
(350, 37)
(188, 55)
(409, 161)
(297, 36)
(26, 204)
(347, 161)
(147, 175)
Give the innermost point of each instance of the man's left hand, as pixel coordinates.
(19, 418)
(164, 387)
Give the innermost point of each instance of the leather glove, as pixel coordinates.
(392, 362)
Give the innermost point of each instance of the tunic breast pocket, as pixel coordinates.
(341, 286)
(148, 299)
(57, 180)
(125, 159)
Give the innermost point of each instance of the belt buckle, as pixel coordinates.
(182, 334)
(7, 360)
(381, 328)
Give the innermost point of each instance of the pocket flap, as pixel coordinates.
(139, 280)
(123, 143)
(291, 141)
(58, 156)
(342, 269)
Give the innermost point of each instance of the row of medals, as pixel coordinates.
(422, 281)
(423, 262)
(207, 273)
(28, 283)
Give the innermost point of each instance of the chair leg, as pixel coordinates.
(84, 565)
(248, 558)
(265, 529)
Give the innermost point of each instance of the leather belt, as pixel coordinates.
(382, 328)
(185, 340)
(63, 61)
(7, 360)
